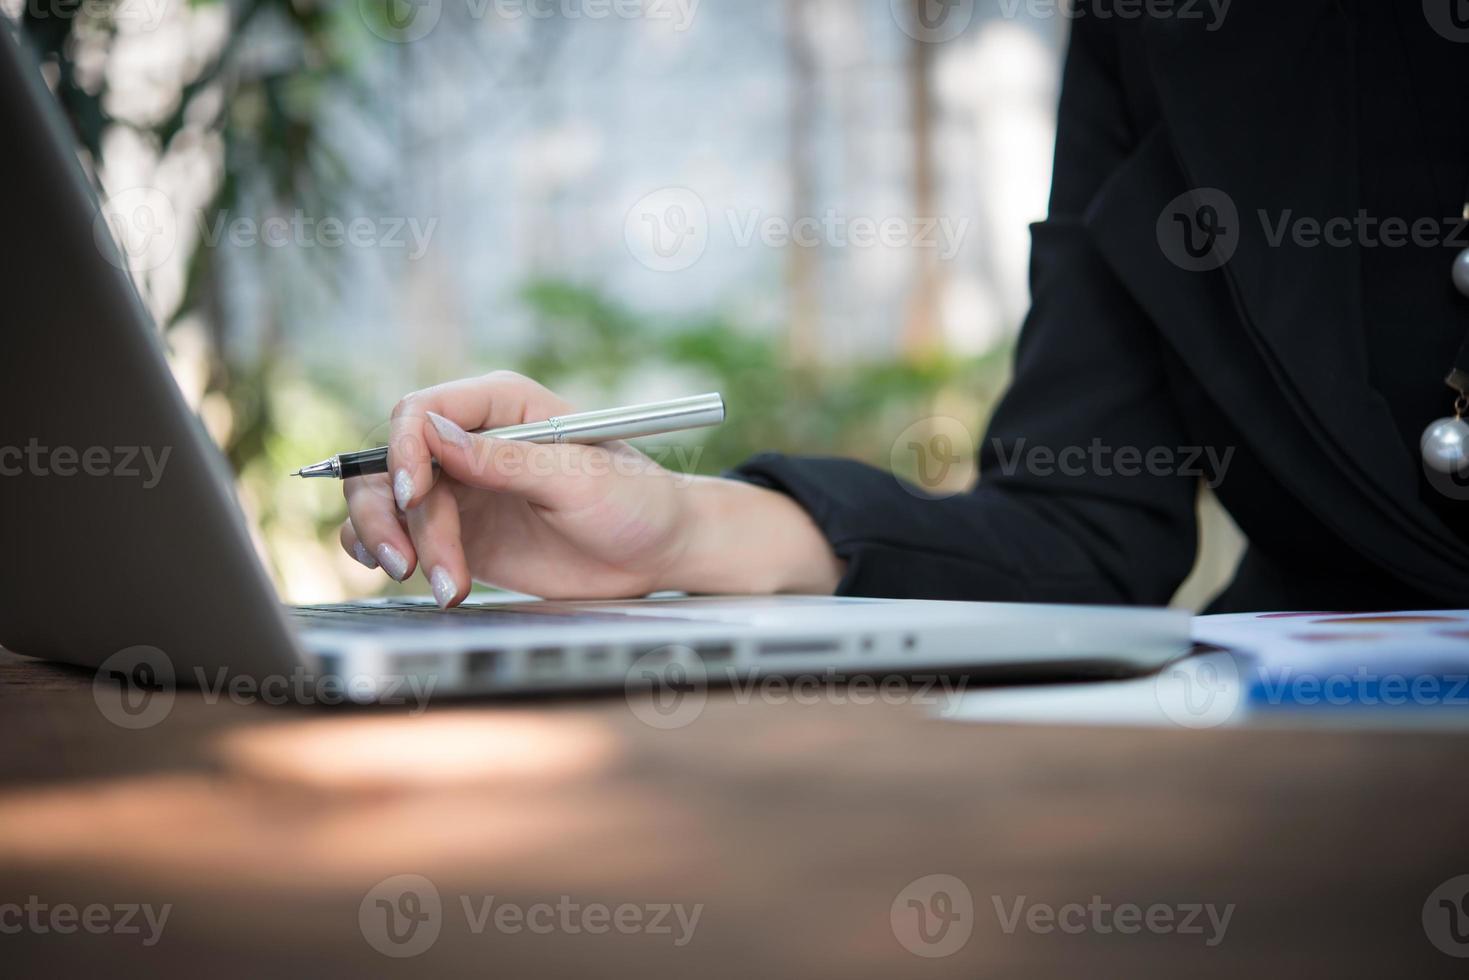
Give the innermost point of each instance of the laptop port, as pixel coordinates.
(654, 655)
(481, 663)
(790, 648)
(715, 654)
(546, 658)
(415, 663)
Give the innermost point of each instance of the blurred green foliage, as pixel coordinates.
(845, 409)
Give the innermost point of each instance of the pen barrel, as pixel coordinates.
(630, 422)
(362, 464)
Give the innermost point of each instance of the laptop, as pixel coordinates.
(122, 539)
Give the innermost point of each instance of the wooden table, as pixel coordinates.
(794, 828)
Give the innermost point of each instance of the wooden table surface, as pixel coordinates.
(794, 829)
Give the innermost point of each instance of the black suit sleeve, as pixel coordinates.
(1090, 389)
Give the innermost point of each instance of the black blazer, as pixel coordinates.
(1262, 356)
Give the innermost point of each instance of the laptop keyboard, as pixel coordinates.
(425, 615)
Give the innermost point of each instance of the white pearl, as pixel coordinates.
(1445, 446)
(1461, 272)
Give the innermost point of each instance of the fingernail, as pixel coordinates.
(445, 588)
(393, 561)
(402, 488)
(359, 551)
(449, 430)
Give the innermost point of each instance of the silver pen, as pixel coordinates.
(586, 428)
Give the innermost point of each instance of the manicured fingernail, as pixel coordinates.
(359, 551)
(445, 588)
(393, 561)
(449, 430)
(402, 488)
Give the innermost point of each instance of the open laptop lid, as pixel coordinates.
(101, 549)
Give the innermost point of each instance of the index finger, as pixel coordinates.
(497, 399)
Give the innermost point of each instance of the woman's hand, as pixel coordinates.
(563, 521)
